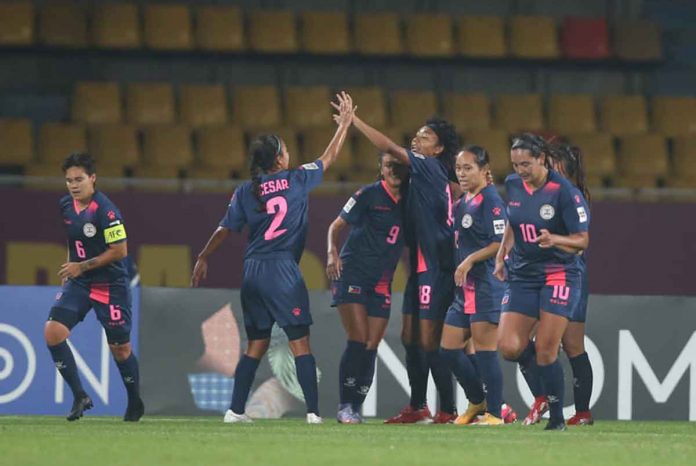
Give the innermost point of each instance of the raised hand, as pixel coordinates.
(345, 108)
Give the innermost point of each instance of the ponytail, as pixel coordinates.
(263, 152)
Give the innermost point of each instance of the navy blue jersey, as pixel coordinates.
(579, 199)
(90, 231)
(375, 242)
(430, 210)
(279, 229)
(552, 207)
(479, 221)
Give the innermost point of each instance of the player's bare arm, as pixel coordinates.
(114, 253)
(334, 266)
(200, 270)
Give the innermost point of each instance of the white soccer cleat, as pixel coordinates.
(232, 417)
(314, 419)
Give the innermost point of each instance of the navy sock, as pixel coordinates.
(365, 380)
(349, 371)
(417, 371)
(474, 362)
(442, 375)
(130, 376)
(464, 371)
(65, 363)
(552, 381)
(492, 377)
(582, 381)
(530, 369)
(306, 368)
(243, 378)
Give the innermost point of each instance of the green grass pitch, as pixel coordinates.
(103, 441)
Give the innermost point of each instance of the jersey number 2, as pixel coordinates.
(278, 207)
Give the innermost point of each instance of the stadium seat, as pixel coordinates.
(114, 145)
(572, 114)
(325, 32)
(168, 27)
(150, 104)
(429, 35)
(481, 36)
(585, 38)
(97, 103)
(516, 113)
(377, 34)
(222, 147)
(289, 137)
(642, 160)
(272, 31)
(116, 25)
(684, 163)
(307, 106)
(168, 146)
(202, 105)
(599, 156)
(410, 109)
(674, 116)
(160, 178)
(533, 37)
(497, 143)
(314, 142)
(58, 140)
(257, 106)
(467, 111)
(624, 114)
(219, 28)
(52, 171)
(372, 102)
(17, 147)
(637, 40)
(16, 23)
(63, 25)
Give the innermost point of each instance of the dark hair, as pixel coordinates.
(571, 159)
(534, 144)
(482, 157)
(82, 160)
(447, 138)
(263, 152)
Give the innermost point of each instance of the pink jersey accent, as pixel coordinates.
(382, 287)
(92, 207)
(552, 186)
(386, 190)
(422, 266)
(555, 276)
(469, 296)
(99, 292)
(527, 188)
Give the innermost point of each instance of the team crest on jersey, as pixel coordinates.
(547, 212)
(89, 230)
(467, 221)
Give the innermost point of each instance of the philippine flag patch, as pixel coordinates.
(354, 289)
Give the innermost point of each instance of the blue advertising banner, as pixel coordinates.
(29, 381)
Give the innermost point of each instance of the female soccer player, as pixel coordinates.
(93, 277)
(430, 286)
(274, 206)
(362, 276)
(479, 221)
(545, 232)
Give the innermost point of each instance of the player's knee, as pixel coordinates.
(573, 348)
(546, 353)
(55, 333)
(510, 349)
(121, 352)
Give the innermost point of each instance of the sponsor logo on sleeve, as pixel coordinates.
(89, 230)
(417, 155)
(115, 233)
(582, 214)
(498, 227)
(115, 222)
(349, 205)
(547, 212)
(310, 166)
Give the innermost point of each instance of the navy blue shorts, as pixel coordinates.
(429, 294)
(580, 312)
(558, 295)
(110, 301)
(376, 299)
(476, 301)
(273, 290)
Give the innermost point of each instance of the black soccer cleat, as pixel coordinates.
(556, 425)
(134, 411)
(79, 406)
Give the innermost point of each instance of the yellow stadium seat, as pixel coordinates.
(272, 31)
(16, 23)
(429, 35)
(377, 34)
(481, 36)
(161, 179)
(624, 114)
(523, 112)
(497, 143)
(203, 105)
(572, 114)
(314, 144)
(97, 103)
(642, 160)
(325, 32)
(257, 106)
(533, 37)
(58, 140)
(599, 155)
(366, 155)
(63, 25)
(637, 40)
(116, 25)
(168, 27)
(114, 145)
(52, 178)
(410, 109)
(372, 103)
(222, 148)
(308, 106)
(168, 146)
(674, 116)
(684, 163)
(219, 28)
(17, 147)
(150, 103)
(467, 111)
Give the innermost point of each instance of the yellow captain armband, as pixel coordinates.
(115, 233)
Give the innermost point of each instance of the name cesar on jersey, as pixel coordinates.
(273, 186)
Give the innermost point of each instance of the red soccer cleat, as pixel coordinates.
(538, 409)
(410, 415)
(441, 417)
(581, 418)
(509, 415)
